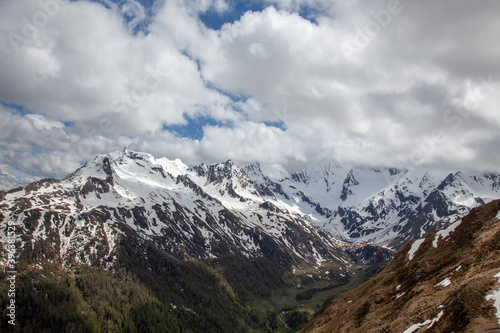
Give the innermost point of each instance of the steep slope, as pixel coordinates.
(383, 206)
(445, 282)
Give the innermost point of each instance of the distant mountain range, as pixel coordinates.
(383, 206)
(253, 230)
(207, 210)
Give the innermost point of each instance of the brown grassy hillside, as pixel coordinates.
(443, 288)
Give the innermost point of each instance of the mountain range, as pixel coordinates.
(247, 234)
(383, 206)
(199, 212)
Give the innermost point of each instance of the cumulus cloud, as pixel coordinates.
(249, 142)
(84, 64)
(381, 82)
(393, 99)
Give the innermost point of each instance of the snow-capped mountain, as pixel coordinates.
(201, 212)
(207, 210)
(384, 206)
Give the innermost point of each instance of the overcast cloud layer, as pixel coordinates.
(385, 83)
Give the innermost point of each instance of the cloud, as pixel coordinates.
(32, 130)
(11, 178)
(248, 142)
(84, 65)
(380, 83)
(135, 11)
(394, 101)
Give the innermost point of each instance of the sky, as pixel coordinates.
(399, 83)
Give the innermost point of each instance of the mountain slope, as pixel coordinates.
(445, 282)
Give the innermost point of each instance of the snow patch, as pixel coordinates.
(414, 248)
(275, 172)
(175, 167)
(429, 322)
(445, 233)
(495, 297)
(445, 283)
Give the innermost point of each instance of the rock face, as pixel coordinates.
(448, 281)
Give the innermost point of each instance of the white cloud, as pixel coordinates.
(322, 7)
(422, 85)
(248, 142)
(84, 64)
(11, 178)
(383, 106)
(42, 164)
(134, 9)
(41, 123)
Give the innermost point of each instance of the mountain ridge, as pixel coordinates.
(201, 208)
(380, 206)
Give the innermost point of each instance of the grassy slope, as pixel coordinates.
(408, 292)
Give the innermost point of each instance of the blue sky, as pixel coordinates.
(295, 82)
(215, 20)
(193, 129)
